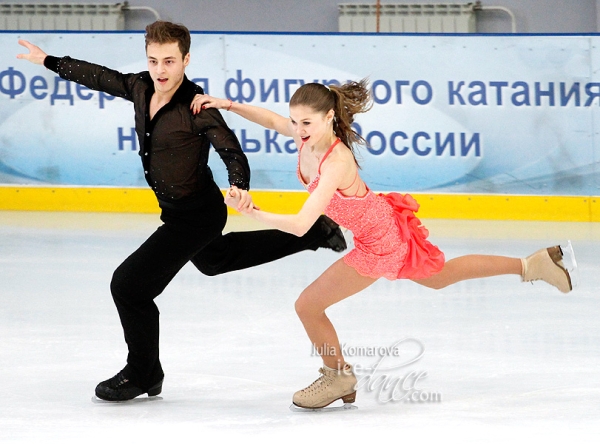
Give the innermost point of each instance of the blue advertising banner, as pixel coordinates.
(451, 114)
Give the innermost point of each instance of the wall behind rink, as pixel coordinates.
(467, 116)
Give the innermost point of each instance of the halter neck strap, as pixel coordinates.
(328, 152)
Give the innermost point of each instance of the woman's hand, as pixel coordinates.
(202, 101)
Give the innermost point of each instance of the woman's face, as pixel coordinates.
(311, 126)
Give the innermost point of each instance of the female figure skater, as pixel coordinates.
(389, 239)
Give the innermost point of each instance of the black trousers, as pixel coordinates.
(187, 235)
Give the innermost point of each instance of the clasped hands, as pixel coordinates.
(240, 200)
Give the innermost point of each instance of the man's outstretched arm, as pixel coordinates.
(93, 76)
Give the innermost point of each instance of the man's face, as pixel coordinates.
(167, 66)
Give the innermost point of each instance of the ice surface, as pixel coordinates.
(504, 361)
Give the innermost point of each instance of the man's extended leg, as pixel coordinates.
(239, 250)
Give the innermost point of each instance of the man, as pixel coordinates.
(174, 148)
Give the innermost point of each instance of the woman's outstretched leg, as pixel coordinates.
(546, 265)
(472, 266)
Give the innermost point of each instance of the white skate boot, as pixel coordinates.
(331, 386)
(547, 265)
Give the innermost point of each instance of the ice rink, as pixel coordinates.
(490, 360)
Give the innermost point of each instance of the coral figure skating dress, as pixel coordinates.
(389, 240)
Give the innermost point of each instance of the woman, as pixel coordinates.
(389, 239)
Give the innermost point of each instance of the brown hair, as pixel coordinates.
(162, 32)
(345, 100)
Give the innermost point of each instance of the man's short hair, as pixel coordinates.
(162, 32)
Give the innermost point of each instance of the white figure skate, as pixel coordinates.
(555, 265)
(331, 386)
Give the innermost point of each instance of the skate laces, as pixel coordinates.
(324, 381)
(119, 379)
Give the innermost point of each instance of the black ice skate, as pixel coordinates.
(335, 239)
(120, 388)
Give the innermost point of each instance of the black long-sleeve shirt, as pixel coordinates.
(174, 145)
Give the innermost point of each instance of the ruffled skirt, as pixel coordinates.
(403, 251)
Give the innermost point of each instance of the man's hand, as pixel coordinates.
(36, 55)
(202, 101)
(239, 200)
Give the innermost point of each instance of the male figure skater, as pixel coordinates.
(174, 148)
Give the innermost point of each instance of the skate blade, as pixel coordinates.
(570, 263)
(349, 237)
(341, 408)
(138, 400)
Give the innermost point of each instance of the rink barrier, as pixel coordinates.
(437, 206)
